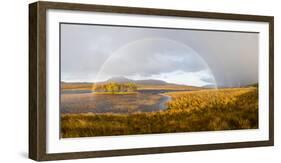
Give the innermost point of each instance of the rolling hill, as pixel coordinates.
(149, 84)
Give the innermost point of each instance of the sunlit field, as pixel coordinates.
(197, 110)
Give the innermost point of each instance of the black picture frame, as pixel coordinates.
(37, 79)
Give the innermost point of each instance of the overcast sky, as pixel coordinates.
(91, 53)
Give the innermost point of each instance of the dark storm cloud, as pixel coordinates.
(88, 50)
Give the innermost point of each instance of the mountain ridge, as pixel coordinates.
(143, 82)
(122, 79)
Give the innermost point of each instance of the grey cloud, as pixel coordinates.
(86, 49)
(149, 57)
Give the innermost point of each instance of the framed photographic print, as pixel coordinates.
(112, 81)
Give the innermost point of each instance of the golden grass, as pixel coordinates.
(215, 98)
(76, 86)
(206, 110)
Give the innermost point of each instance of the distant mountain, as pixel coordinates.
(122, 79)
(151, 82)
(119, 79)
(69, 82)
(209, 86)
